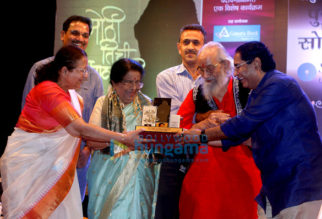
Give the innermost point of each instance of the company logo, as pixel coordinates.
(237, 33)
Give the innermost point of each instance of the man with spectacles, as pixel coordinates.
(218, 184)
(282, 124)
(175, 83)
(76, 31)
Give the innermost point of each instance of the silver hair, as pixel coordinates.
(211, 47)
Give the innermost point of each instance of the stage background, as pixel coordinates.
(27, 36)
(235, 22)
(145, 30)
(304, 49)
(148, 30)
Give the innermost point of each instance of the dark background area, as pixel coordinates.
(28, 36)
(157, 32)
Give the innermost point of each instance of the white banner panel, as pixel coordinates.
(304, 49)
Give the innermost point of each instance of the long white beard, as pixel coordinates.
(215, 87)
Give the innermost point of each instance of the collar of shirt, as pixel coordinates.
(183, 71)
(262, 82)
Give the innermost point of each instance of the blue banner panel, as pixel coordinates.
(237, 33)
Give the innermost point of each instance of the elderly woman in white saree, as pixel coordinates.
(38, 167)
(121, 183)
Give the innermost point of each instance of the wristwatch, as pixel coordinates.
(203, 137)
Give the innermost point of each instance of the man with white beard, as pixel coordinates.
(218, 184)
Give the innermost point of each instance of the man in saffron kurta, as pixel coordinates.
(218, 184)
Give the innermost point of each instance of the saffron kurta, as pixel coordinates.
(219, 184)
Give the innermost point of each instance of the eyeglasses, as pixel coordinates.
(209, 69)
(237, 66)
(83, 71)
(129, 83)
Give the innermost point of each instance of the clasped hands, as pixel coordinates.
(209, 119)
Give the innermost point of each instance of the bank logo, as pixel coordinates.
(237, 33)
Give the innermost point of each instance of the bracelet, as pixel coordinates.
(203, 137)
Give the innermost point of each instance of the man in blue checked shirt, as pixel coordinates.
(175, 83)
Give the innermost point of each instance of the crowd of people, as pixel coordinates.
(258, 126)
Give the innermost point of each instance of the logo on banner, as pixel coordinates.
(306, 72)
(237, 33)
(224, 33)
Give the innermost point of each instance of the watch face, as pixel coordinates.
(203, 138)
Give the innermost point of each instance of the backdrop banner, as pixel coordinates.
(233, 22)
(304, 49)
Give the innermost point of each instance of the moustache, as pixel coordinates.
(211, 80)
(189, 51)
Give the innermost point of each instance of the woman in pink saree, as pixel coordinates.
(38, 167)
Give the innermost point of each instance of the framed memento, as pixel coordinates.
(149, 115)
(163, 111)
(155, 120)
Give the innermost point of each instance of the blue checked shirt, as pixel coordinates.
(175, 83)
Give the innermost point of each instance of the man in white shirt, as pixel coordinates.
(175, 83)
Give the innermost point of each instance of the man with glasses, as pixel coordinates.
(76, 31)
(218, 184)
(281, 122)
(175, 83)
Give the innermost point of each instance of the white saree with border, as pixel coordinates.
(39, 176)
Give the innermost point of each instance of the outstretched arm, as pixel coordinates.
(79, 128)
(213, 134)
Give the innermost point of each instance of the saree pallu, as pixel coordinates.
(38, 172)
(38, 166)
(124, 187)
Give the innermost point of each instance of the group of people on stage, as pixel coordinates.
(260, 127)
